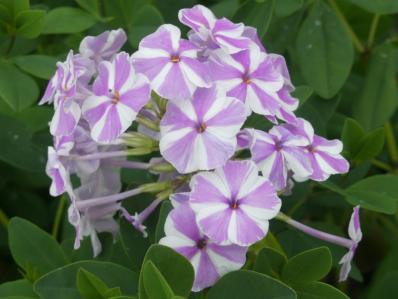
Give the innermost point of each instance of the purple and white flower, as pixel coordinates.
(323, 154)
(119, 94)
(253, 77)
(200, 134)
(280, 154)
(209, 259)
(233, 204)
(55, 167)
(170, 63)
(63, 90)
(355, 233)
(103, 46)
(212, 33)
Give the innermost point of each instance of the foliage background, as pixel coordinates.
(342, 55)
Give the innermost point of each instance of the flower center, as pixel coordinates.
(175, 58)
(116, 97)
(234, 204)
(246, 79)
(201, 127)
(201, 243)
(278, 146)
(311, 149)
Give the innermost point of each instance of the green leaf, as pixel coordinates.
(377, 6)
(324, 49)
(257, 14)
(250, 285)
(287, 7)
(319, 290)
(385, 287)
(90, 286)
(147, 20)
(61, 283)
(310, 265)
(270, 262)
(177, 271)
(27, 242)
(352, 136)
(17, 297)
(14, 7)
(359, 146)
(40, 66)
(377, 193)
(20, 287)
(91, 6)
(371, 145)
(302, 93)
(155, 284)
(379, 94)
(18, 90)
(17, 147)
(67, 20)
(165, 208)
(30, 23)
(123, 297)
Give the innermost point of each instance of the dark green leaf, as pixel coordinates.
(91, 6)
(41, 66)
(257, 14)
(17, 147)
(351, 137)
(379, 95)
(27, 242)
(385, 287)
(20, 287)
(325, 52)
(155, 284)
(270, 262)
(378, 6)
(319, 290)
(61, 283)
(90, 286)
(302, 93)
(377, 193)
(371, 145)
(30, 23)
(287, 7)
(18, 90)
(307, 266)
(250, 285)
(177, 271)
(67, 20)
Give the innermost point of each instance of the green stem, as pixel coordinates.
(391, 142)
(58, 217)
(357, 43)
(3, 218)
(381, 165)
(373, 29)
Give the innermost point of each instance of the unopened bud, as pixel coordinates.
(155, 187)
(161, 167)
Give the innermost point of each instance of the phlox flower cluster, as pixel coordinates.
(185, 102)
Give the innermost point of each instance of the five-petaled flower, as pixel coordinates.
(119, 94)
(233, 204)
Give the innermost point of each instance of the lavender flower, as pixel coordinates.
(200, 134)
(103, 46)
(213, 33)
(209, 259)
(170, 63)
(119, 94)
(233, 204)
(257, 79)
(355, 233)
(323, 154)
(278, 153)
